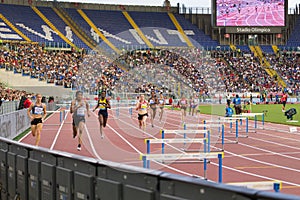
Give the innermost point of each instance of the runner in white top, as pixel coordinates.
(183, 103)
(78, 108)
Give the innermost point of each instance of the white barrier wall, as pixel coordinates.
(14, 123)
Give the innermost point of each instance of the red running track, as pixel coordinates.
(269, 154)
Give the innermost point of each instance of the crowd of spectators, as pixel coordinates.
(146, 70)
(250, 76)
(288, 67)
(10, 94)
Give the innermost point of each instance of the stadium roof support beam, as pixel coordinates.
(44, 18)
(93, 26)
(138, 30)
(71, 24)
(180, 30)
(14, 28)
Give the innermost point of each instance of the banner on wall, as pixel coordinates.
(14, 123)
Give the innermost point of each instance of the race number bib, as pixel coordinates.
(102, 107)
(80, 111)
(38, 110)
(144, 106)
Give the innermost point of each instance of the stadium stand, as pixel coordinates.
(294, 39)
(198, 35)
(61, 26)
(30, 24)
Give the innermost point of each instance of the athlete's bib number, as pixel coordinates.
(38, 111)
(102, 107)
(144, 106)
(80, 111)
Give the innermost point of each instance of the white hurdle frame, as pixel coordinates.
(206, 133)
(206, 126)
(230, 120)
(185, 156)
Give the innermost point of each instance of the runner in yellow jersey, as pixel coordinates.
(103, 105)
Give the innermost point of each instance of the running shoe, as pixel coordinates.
(79, 147)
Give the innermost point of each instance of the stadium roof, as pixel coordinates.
(187, 3)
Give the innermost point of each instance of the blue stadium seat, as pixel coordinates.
(60, 25)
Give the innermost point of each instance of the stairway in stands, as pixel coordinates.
(75, 27)
(52, 26)
(258, 53)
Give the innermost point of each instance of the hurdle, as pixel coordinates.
(255, 118)
(260, 185)
(206, 133)
(62, 115)
(230, 120)
(237, 125)
(117, 111)
(205, 126)
(175, 140)
(185, 156)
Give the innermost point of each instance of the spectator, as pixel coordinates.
(27, 103)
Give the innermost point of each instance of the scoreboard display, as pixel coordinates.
(250, 13)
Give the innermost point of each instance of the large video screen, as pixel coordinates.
(250, 12)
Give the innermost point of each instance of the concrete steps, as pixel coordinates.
(26, 83)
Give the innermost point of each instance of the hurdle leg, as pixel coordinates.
(163, 144)
(276, 187)
(130, 112)
(236, 131)
(247, 126)
(184, 136)
(255, 122)
(148, 152)
(223, 137)
(220, 157)
(208, 141)
(117, 113)
(144, 162)
(205, 162)
(60, 116)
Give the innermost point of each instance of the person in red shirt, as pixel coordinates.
(283, 101)
(27, 103)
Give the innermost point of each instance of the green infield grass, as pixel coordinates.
(273, 112)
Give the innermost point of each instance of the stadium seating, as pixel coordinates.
(110, 23)
(29, 23)
(199, 36)
(60, 25)
(149, 22)
(294, 39)
(243, 48)
(267, 49)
